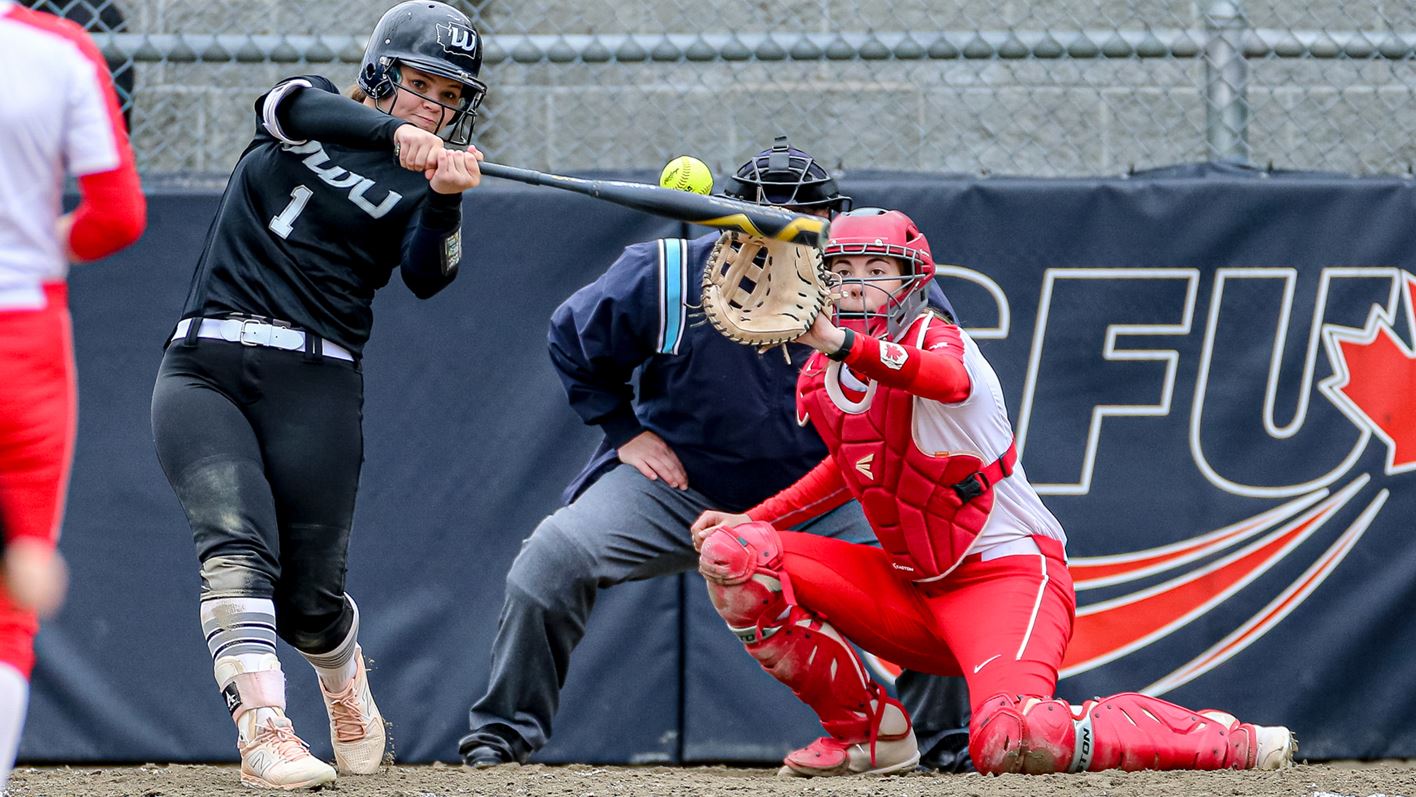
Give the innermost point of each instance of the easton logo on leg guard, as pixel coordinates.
(751, 635)
(232, 698)
(1082, 753)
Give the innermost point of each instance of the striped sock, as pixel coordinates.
(240, 635)
(242, 628)
(338, 667)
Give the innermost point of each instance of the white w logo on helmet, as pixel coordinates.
(452, 36)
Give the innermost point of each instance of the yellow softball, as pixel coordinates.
(686, 173)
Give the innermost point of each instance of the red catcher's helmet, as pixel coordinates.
(887, 233)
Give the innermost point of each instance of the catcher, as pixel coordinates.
(648, 379)
(971, 576)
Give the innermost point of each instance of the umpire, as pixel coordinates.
(665, 458)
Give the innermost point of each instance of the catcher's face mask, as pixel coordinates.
(879, 294)
(865, 284)
(882, 265)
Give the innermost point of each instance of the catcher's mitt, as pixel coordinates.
(761, 292)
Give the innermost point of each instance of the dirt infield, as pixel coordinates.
(1386, 778)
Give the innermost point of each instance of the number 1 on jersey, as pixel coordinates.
(283, 224)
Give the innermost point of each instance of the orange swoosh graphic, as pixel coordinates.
(1090, 572)
(1277, 609)
(1111, 629)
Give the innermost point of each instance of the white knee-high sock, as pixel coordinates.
(14, 697)
(338, 667)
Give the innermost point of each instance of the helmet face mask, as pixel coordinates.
(893, 308)
(434, 38)
(787, 177)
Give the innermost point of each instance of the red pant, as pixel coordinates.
(37, 418)
(1002, 624)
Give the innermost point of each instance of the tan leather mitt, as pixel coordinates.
(761, 292)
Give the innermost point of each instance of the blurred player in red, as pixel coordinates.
(63, 117)
(971, 576)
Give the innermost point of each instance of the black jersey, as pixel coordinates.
(307, 231)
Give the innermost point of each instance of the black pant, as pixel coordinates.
(263, 448)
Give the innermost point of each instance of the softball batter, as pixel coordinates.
(258, 405)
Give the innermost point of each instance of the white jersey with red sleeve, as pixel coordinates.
(918, 432)
(62, 117)
(979, 424)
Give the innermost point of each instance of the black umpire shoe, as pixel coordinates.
(491, 745)
(483, 756)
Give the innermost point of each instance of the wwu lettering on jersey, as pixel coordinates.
(335, 176)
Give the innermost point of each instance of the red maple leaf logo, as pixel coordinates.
(1374, 378)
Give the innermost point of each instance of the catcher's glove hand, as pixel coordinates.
(761, 292)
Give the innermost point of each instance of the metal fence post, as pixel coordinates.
(1226, 83)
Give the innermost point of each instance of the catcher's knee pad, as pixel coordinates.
(1022, 734)
(743, 568)
(751, 591)
(731, 554)
(1128, 731)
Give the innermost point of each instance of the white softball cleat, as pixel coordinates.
(356, 728)
(894, 750)
(1270, 746)
(828, 757)
(277, 759)
(1274, 747)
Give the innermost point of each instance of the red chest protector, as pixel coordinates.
(927, 510)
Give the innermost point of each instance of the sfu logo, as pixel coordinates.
(1295, 392)
(1359, 316)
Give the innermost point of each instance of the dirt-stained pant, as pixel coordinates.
(263, 448)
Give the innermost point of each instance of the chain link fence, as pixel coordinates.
(1070, 87)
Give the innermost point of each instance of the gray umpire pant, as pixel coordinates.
(625, 527)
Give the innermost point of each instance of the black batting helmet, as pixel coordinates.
(784, 175)
(435, 38)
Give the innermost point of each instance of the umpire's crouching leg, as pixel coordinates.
(549, 594)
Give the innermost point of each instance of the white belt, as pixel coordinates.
(1018, 547)
(22, 297)
(250, 332)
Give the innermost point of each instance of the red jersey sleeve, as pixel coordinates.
(821, 490)
(933, 369)
(112, 212)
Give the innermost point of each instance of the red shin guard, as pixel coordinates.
(1128, 731)
(752, 593)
